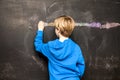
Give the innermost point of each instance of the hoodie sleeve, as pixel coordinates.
(81, 64)
(39, 45)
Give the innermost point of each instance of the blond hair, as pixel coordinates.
(65, 24)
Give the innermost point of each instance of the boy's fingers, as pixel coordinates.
(41, 23)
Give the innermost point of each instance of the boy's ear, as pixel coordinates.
(58, 30)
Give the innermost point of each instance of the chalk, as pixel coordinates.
(91, 25)
(49, 24)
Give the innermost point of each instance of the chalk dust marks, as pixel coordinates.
(8, 71)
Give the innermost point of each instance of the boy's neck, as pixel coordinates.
(62, 38)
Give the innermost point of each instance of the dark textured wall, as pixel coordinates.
(18, 24)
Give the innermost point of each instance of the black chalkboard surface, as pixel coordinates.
(18, 25)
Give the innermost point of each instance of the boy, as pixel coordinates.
(65, 59)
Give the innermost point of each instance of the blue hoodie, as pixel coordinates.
(65, 60)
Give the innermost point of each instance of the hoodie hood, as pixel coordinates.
(59, 49)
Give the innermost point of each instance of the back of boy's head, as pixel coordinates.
(65, 24)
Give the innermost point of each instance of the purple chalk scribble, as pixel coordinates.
(94, 24)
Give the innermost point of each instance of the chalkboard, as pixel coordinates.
(18, 26)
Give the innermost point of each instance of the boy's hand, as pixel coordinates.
(41, 25)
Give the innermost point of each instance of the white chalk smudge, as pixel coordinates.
(8, 71)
